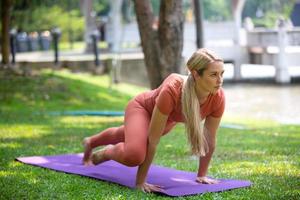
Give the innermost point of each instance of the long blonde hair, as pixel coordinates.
(190, 103)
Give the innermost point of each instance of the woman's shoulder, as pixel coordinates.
(172, 85)
(219, 96)
(177, 76)
(221, 93)
(174, 80)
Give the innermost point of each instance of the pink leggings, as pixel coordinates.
(130, 139)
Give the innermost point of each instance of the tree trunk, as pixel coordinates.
(198, 13)
(114, 26)
(5, 20)
(162, 41)
(90, 26)
(237, 9)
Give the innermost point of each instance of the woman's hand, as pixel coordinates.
(206, 180)
(146, 187)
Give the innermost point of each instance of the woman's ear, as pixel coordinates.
(194, 73)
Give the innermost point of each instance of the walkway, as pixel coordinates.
(249, 71)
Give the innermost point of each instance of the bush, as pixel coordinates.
(46, 18)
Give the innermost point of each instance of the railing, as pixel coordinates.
(260, 41)
(264, 37)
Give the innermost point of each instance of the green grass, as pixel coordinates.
(79, 45)
(102, 45)
(266, 153)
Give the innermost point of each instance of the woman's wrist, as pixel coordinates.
(139, 183)
(140, 180)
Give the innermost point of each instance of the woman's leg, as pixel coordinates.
(132, 151)
(112, 135)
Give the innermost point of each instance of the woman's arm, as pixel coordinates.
(156, 128)
(211, 125)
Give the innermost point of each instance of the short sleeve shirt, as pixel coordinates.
(167, 98)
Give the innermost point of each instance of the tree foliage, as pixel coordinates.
(217, 10)
(55, 17)
(265, 13)
(40, 15)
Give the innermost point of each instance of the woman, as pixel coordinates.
(152, 114)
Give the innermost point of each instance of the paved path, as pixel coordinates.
(249, 71)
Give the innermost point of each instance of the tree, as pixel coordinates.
(162, 40)
(90, 26)
(5, 18)
(217, 10)
(198, 13)
(265, 13)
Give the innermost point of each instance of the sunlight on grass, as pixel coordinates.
(249, 123)
(80, 45)
(103, 81)
(270, 168)
(75, 101)
(255, 152)
(14, 164)
(90, 120)
(7, 173)
(84, 76)
(23, 131)
(266, 153)
(12, 145)
(132, 90)
(107, 97)
(76, 45)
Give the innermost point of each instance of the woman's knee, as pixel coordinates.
(134, 157)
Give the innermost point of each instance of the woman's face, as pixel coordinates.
(212, 78)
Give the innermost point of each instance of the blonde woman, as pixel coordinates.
(195, 99)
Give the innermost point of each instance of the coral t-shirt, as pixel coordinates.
(167, 97)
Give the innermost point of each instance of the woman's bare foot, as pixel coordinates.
(98, 157)
(86, 160)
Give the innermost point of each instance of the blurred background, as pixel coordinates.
(259, 41)
(69, 68)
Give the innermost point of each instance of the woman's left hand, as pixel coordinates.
(146, 187)
(206, 180)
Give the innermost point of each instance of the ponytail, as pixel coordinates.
(193, 122)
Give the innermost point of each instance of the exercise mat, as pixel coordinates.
(174, 182)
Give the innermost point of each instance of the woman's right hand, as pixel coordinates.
(146, 187)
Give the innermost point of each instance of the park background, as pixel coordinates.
(258, 139)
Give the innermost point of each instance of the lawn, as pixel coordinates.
(101, 45)
(266, 153)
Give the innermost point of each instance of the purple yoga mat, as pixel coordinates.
(174, 182)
